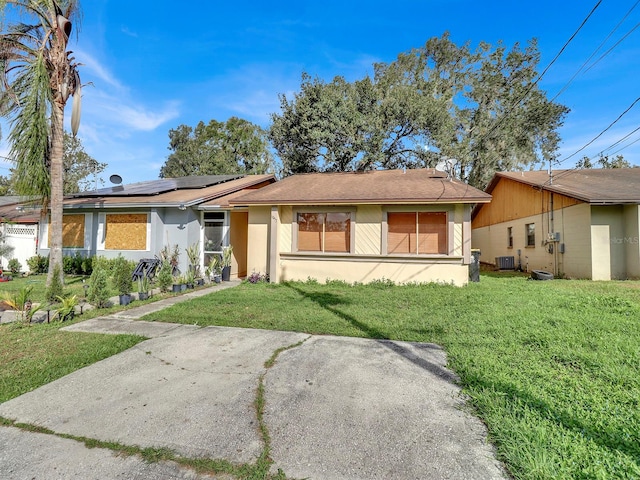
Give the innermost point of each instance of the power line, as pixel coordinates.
(593, 54)
(621, 140)
(535, 82)
(603, 131)
(627, 145)
(614, 46)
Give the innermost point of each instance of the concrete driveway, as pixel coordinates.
(336, 408)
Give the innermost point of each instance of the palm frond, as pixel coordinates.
(29, 135)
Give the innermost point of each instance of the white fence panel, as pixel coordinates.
(23, 238)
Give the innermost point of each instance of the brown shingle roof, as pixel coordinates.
(372, 187)
(185, 196)
(595, 186)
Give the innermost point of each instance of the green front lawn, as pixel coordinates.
(73, 286)
(36, 354)
(553, 368)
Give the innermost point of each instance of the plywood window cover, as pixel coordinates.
(417, 233)
(72, 231)
(126, 231)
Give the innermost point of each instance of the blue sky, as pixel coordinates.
(154, 65)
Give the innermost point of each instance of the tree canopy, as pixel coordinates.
(79, 166)
(217, 148)
(442, 101)
(604, 161)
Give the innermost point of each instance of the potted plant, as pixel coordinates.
(190, 278)
(143, 286)
(214, 270)
(227, 255)
(179, 284)
(193, 254)
(122, 279)
(67, 308)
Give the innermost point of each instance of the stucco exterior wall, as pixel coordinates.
(367, 269)
(607, 248)
(631, 239)
(573, 224)
(258, 235)
(368, 230)
(368, 262)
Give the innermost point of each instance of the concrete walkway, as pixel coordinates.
(335, 407)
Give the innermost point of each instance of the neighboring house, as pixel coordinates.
(578, 223)
(412, 226)
(139, 219)
(19, 226)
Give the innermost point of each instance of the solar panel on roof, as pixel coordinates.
(155, 187)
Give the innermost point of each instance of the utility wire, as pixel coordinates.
(621, 140)
(603, 131)
(627, 145)
(535, 82)
(566, 172)
(614, 46)
(563, 89)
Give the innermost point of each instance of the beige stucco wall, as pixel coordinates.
(365, 270)
(368, 240)
(607, 248)
(368, 261)
(573, 223)
(631, 239)
(600, 242)
(258, 239)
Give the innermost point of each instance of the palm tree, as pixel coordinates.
(38, 75)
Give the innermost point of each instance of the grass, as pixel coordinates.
(553, 368)
(36, 354)
(73, 286)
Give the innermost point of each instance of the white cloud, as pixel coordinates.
(95, 68)
(140, 118)
(128, 32)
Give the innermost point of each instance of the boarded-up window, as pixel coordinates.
(72, 231)
(126, 231)
(417, 232)
(324, 232)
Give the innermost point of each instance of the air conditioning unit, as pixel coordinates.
(505, 263)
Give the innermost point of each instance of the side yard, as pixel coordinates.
(553, 368)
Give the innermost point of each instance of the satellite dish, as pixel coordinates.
(115, 179)
(446, 165)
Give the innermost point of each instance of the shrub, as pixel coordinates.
(38, 264)
(98, 294)
(55, 289)
(86, 266)
(73, 264)
(122, 275)
(164, 278)
(67, 264)
(14, 266)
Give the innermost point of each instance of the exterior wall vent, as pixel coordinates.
(505, 263)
